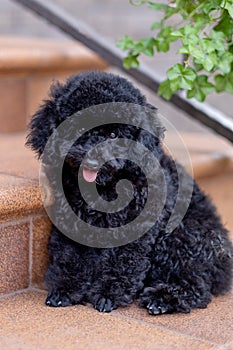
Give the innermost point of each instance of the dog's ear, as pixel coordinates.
(41, 127)
(150, 135)
(144, 116)
(149, 121)
(45, 120)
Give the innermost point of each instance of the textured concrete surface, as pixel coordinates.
(16, 159)
(27, 56)
(12, 115)
(220, 189)
(14, 257)
(213, 324)
(18, 196)
(26, 323)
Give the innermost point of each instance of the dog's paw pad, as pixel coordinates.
(105, 305)
(155, 308)
(57, 299)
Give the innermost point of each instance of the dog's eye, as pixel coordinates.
(113, 135)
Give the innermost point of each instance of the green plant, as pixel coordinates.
(204, 30)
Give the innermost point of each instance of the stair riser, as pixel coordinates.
(23, 253)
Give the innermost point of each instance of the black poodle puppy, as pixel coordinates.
(166, 270)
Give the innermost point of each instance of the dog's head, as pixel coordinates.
(99, 89)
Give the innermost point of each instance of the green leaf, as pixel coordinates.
(228, 5)
(208, 61)
(178, 33)
(125, 43)
(148, 46)
(218, 41)
(175, 85)
(175, 71)
(170, 11)
(185, 7)
(161, 45)
(130, 62)
(184, 50)
(225, 62)
(224, 82)
(165, 90)
(229, 8)
(164, 38)
(157, 6)
(225, 25)
(211, 5)
(200, 20)
(156, 25)
(166, 32)
(206, 45)
(191, 35)
(181, 77)
(196, 52)
(137, 3)
(201, 88)
(198, 67)
(137, 48)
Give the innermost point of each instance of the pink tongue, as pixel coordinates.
(89, 175)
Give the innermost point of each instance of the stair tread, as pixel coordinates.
(15, 158)
(27, 323)
(209, 153)
(18, 177)
(18, 195)
(31, 55)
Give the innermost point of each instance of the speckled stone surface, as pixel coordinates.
(12, 90)
(15, 158)
(213, 323)
(210, 154)
(26, 323)
(30, 56)
(40, 233)
(220, 189)
(18, 196)
(14, 257)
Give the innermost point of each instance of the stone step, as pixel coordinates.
(24, 226)
(27, 68)
(26, 323)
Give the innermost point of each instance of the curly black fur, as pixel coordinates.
(167, 271)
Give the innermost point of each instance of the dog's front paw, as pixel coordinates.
(57, 298)
(105, 305)
(156, 308)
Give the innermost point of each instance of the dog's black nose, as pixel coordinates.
(90, 164)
